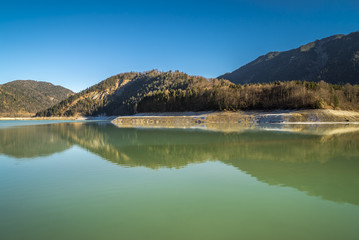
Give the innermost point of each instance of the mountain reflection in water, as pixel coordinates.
(323, 161)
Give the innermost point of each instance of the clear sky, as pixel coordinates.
(79, 43)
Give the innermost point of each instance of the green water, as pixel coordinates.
(97, 181)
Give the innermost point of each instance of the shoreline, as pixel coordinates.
(240, 118)
(101, 118)
(313, 122)
(317, 122)
(308, 116)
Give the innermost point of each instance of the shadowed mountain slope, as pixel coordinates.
(334, 59)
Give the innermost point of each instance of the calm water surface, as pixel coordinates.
(97, 181)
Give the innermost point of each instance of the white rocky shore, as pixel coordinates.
(325, 116)
(314, 122)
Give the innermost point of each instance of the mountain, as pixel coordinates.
(333, 59)
(121, 94)
(26, 97)
(155, 91)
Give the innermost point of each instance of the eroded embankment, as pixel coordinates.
(243, 118)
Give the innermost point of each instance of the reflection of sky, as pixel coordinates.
(12, 123)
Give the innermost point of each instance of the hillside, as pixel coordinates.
(120, 94)
(155, 91)
(26, 97)
(333, 59)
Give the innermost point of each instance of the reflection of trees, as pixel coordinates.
(320, 166)
(176, 148)
(336, 180)
(31, 141)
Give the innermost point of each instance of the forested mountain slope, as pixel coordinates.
(155, 91)
(120, 94)
(26, 97)
(333, 59)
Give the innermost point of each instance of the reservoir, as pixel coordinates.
(93, 180)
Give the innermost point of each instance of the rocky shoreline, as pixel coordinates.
(311, 116)
(241, 118)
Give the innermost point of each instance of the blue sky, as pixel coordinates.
(79, 43)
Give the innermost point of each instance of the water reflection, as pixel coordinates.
(317, 162)
(32, 141)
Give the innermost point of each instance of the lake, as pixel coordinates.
(93, 180)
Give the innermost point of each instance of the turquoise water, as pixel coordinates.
(96, 181)
(15, 123)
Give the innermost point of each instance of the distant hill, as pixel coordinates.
(333, 59)
(26, 97)
(154, 91)
(121, 94)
